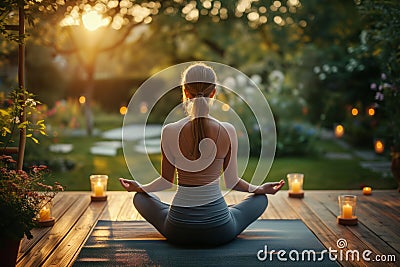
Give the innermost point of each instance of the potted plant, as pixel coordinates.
(22, 192)
(22, 196)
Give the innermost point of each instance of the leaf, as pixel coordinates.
(35, 140)
(4, 112)
(7, 130)
(23, 125)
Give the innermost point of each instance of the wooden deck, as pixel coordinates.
(378, 229)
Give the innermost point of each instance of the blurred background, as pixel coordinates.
(324, 67)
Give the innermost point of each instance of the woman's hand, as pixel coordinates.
(130, 185)
(270, 188)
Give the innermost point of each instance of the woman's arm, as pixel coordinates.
(158, 184)
(165, 181)
(232, 179)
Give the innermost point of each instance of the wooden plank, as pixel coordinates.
(284, 211)
(114, 204)
(377, 229)
(62, 202)
(318, 203)
(373, 218)
(128, 211)
(68, 249)
(388, 208)
(358, 237)
(327, 236)
(46, 245)
(271, 212)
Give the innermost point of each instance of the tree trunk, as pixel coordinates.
(21, 84)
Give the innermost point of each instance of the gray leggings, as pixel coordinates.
(213, 232)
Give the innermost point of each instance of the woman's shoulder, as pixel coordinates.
(227, 126)
(174, 126)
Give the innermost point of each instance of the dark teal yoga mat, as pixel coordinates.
(137, 243)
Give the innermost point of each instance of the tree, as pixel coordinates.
(7, 8)
(180, 22)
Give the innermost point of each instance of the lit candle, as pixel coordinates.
(98, 189)
(367, 190)
(296, 186)
(44, 214)
(347, 211)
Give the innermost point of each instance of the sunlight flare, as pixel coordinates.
(92, 20)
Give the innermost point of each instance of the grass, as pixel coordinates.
(320, 172)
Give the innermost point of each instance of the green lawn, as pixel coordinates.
(320, 173)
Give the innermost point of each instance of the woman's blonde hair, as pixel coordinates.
(199, 81)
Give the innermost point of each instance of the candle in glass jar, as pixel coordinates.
(98, 189)
(44, 214)
(367, 190)
(347, 211)
(296, 186)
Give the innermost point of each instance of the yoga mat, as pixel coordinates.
(137, 243)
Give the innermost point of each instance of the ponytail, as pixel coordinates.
(199, 122)
(199, 82)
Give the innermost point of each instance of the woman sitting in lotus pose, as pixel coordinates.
(199, 148)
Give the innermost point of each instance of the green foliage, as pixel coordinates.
(22, 195)
(382, 41)
(32, 9)
(295, 139)
(20, 199)
(66, 115)
(11, 121)
(387, 96)
(382, 26)
(358, 131)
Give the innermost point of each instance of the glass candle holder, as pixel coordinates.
(45, 217)
(98, 184)
(347, 207)
(295, 181)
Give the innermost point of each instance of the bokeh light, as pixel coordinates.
(339, 131)
(123, 110)
(379, 146)
(92, 20)
(371, 112)
(82, 99)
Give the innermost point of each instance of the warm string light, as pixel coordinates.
(379, 146)
(354, 112)
(339, 131)
(371, 112)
